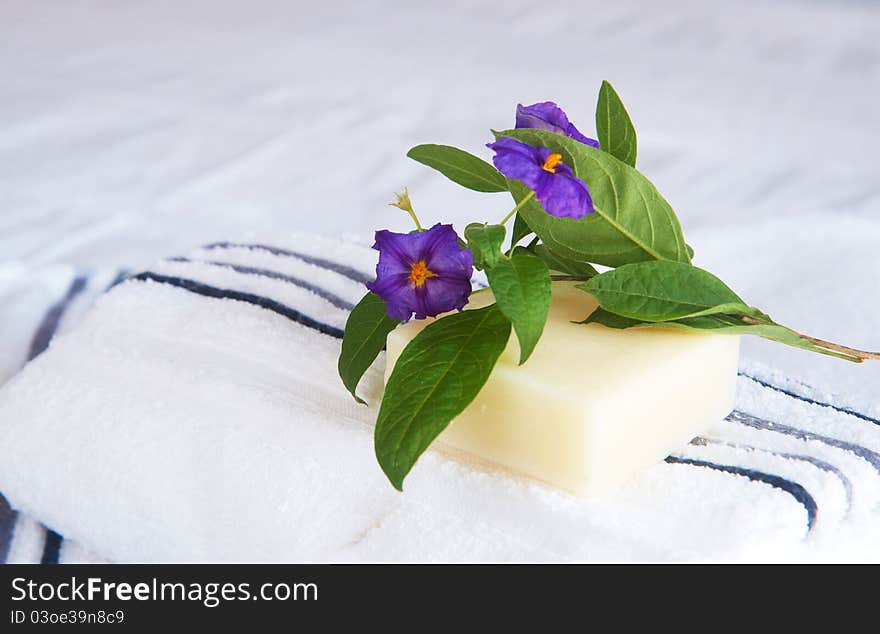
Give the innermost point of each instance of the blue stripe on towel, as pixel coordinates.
(872, 457)
(807, 399)
(816, 462)
(257, 300)
(120, 277)
(275, 275)
(52, 547)
(342, 269)
(797, 491)
(52, 318)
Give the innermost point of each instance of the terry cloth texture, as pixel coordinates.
(195, 414)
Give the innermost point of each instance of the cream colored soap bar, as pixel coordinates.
(593, 405)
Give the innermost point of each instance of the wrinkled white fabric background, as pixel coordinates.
(133, 130)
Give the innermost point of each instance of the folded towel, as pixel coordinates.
(195, 414)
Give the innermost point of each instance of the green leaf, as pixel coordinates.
(437, 375)
(485, 242)
(520, 230)
(617, 135)
(459, 166)
(521, 285)
(665, 291)
(631, 223)
(365, 331)
(563, 265)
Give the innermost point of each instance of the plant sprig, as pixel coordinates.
(626, 225)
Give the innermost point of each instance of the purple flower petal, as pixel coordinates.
(440, 295)
(518, 160)
(399, 248)
(564, 195)
(443, 255)
(546, 115)
(398, 293)
(559, 191)
(426, 273)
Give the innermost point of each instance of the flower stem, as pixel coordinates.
(403, 202)
(519, 206)
(415, 218)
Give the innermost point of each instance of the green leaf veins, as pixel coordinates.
(459, 166)
(617, 134)
(436, 377)
(521, 285)
(632, 222)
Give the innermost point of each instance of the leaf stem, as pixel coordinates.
(860, 355)
(519, 206)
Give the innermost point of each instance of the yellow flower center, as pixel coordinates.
(419, 272)
(551, 162)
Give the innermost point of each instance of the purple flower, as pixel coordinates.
(425, 272)
(548, 116)
(559, 191)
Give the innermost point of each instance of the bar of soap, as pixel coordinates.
(593, 405)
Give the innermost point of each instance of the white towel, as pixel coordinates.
(195, 414)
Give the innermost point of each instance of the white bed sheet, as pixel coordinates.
(132, 130)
